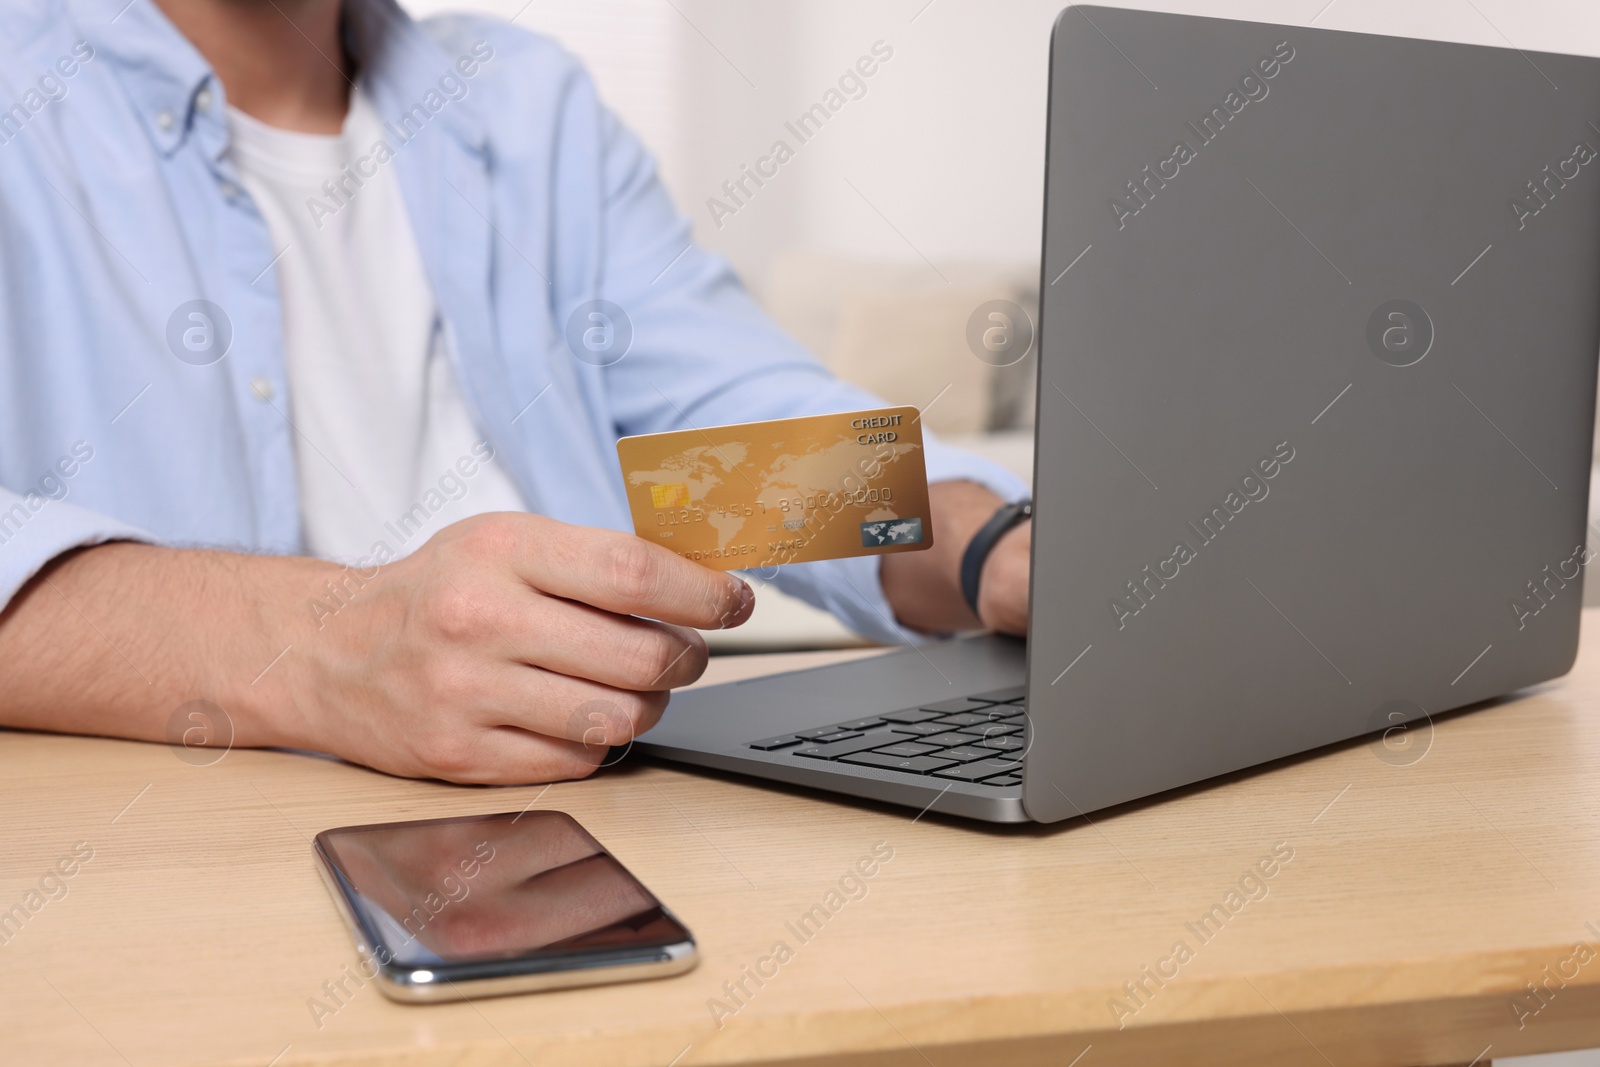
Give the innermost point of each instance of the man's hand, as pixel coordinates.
(513, 648)
(508, 649)
(924, 588)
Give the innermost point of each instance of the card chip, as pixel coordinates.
(675, 495)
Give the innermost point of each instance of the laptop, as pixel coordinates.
(1316, 381)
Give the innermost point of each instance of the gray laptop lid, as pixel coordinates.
(1319, 323)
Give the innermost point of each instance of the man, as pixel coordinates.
(291, 418)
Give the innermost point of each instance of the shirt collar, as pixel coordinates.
(161, 71)
(171, 84)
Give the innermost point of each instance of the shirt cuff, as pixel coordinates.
(852, 589)
(35, 529)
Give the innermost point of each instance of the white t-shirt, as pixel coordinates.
(385, 448)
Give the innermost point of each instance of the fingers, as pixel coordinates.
(615, 650)
(510, 756)
(521, 726)
(534, 700)
(527, 649)
(597, 717)
(621, 573)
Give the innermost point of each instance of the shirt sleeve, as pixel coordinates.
(35, 529)
(704, 354)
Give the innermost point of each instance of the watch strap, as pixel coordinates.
(983, 542)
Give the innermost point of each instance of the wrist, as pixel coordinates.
(924, 588)
(981, 547)
(1003, 587)
(275, 686)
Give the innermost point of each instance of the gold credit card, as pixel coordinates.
(760, 494)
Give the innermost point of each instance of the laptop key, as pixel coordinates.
(813, 734)
(907, 749)
(945, 707)
(965, 753)
(845, 748)
(926, 728)
(1000, 744)
(910, 715)
(977, 772)
(777, 742)
(837, 735)
(914, 764)
(991, 729)
(965, 718)
(1003, 780)
(946, 740)
(859, 724)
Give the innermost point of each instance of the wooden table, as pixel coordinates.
(1422, 896)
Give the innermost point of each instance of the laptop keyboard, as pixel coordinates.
(977, 739)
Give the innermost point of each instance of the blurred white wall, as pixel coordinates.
(946, 149)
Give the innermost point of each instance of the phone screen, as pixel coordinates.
(493, 887)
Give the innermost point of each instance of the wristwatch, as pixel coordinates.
(983, 542)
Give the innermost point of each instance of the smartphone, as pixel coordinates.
(444, 909)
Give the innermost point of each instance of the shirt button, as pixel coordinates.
(202, 100)
(164, 119)
(230, 191)
(261, 387)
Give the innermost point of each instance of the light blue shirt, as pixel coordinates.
(118, 208)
